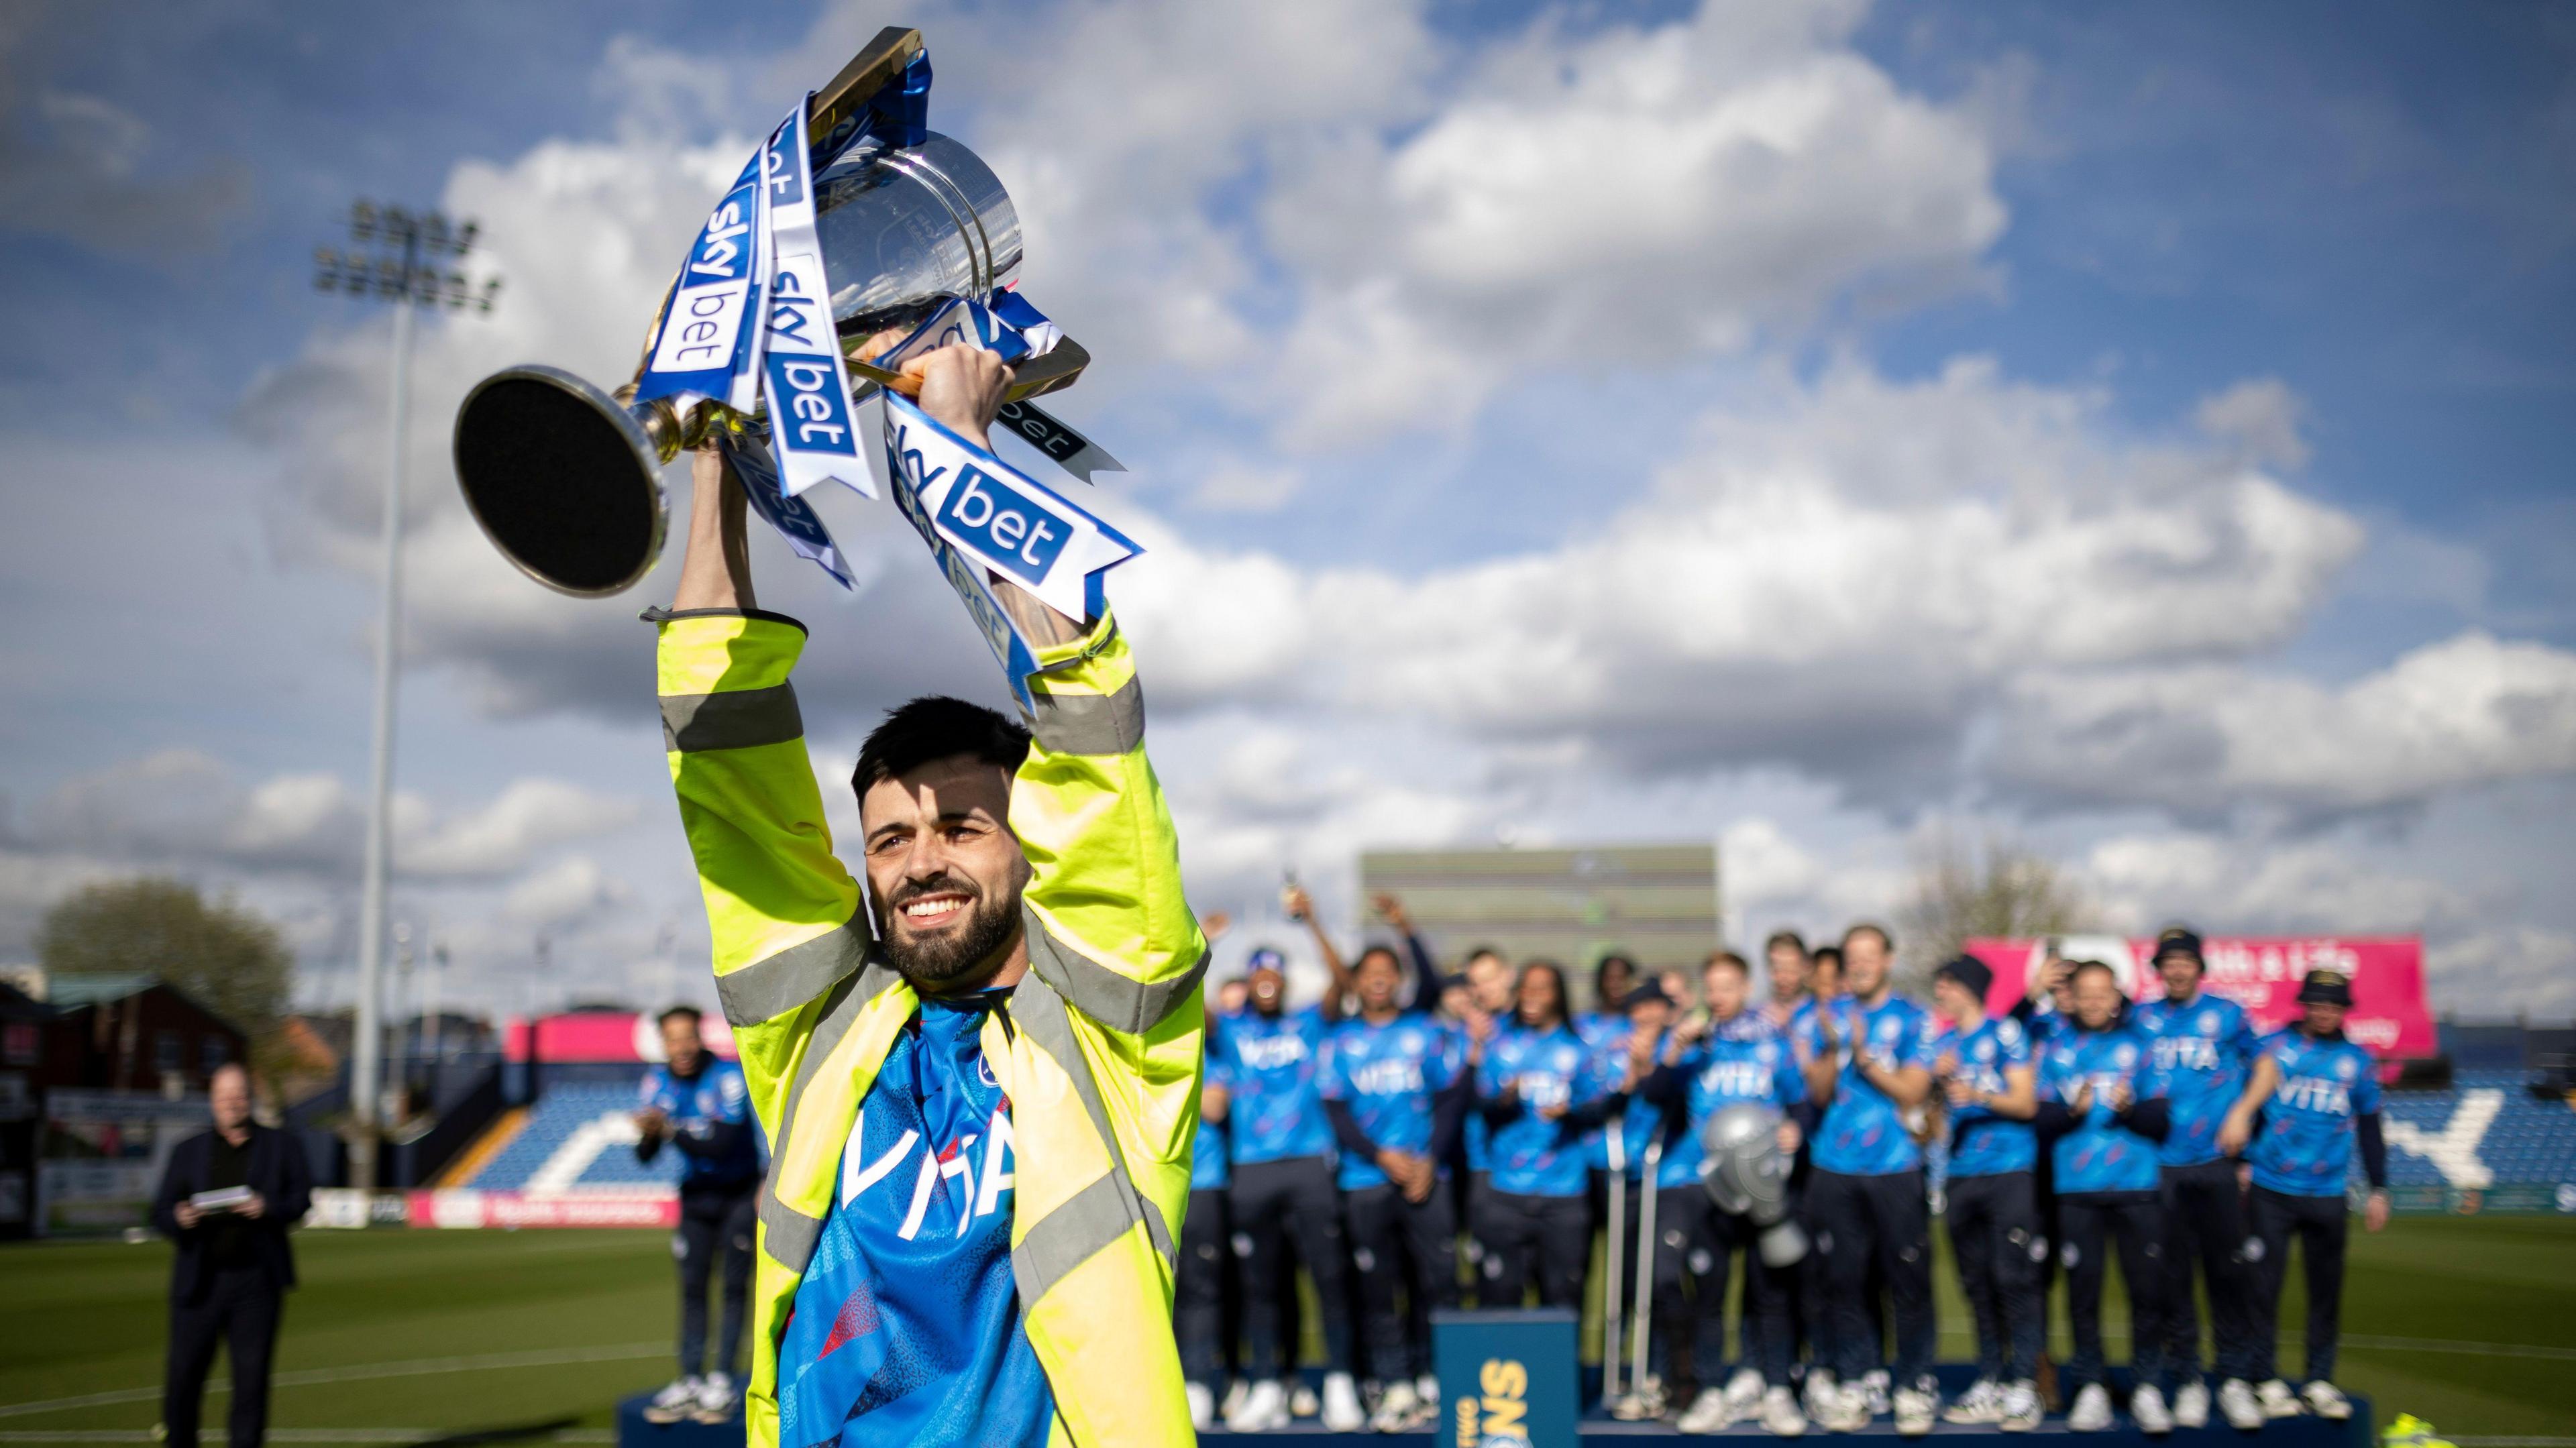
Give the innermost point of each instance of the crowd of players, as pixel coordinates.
(1425, 1140)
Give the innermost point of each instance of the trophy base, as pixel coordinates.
(563, 480)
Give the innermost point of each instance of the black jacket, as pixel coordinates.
(276, 1170)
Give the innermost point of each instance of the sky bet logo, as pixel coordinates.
(1001, 526)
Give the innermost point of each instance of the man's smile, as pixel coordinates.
(930, 912)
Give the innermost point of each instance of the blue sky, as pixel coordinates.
(2138, 429)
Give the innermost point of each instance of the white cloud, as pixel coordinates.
(2503, 970)
(1838, 577)
(2261, 418)
(562, 893)
(183, 808)
(2464, 711)
(1628, 198)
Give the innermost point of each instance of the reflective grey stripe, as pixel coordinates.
(1125, 1006)
(1090, 723)
(781, 981)
(734, 719)
(1106, 1208)
(792, 1234)
(1066, 1237)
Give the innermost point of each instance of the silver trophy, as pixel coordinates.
(564, 476)
(1747, 1174)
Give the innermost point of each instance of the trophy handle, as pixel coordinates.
(565, 479)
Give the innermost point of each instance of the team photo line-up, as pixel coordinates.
(1423, 1140)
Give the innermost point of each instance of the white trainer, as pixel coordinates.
(2191, 1405)
(2092, 1410)
(2277, 1399)
(1202, 1407)
(1983, 1402)
(1395, 1409)
(2020, 1410)
(1846, 1412)
(2147, 1405)
(1235, 1391)
(1427, 1388)
(1915, 1409)
(1743, 1393)
(676, 1401)
(1875, 1384)
(2327, 1401)
(1821, 1394)
(1707, 1413)
(2237, 1404)
(1302, 1402)
(1263, 1408)
(718, 1399)
(1780, 1415)
(1342, 1412)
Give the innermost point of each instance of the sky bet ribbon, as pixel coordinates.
(809, 394)
(702, 347)
(981, 516)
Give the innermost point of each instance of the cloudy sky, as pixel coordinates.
(1808, 426)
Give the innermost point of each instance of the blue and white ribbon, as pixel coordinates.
(809, 393)
(985, 519)
(793, 517)
(705, 346)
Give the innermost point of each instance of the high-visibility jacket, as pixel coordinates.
(1099, 1049)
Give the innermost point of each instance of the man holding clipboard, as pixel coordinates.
(227, 1198)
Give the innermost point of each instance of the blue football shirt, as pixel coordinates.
(1743, 1059)
(907, 1326)
(1388, 1075)
(1272, 1061)
(1529, 1155)
(696, 1106)
(2305, 1145)
(2098, 1154)
(1981, 1142)
(1863, 1133)
(2199, 1052)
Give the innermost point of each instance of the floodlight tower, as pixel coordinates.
(396, 257)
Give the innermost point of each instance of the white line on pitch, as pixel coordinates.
(361, 1372)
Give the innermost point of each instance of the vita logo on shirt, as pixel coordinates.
(982, 1160)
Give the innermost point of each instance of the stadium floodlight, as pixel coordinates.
(388, 261)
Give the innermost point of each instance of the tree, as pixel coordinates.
(1994, 887)
(220, 955)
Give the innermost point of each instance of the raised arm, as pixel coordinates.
(1302, 907)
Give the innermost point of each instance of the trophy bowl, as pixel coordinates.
(564, 481)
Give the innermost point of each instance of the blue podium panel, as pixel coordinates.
(1507, 1379)
(634, 1432)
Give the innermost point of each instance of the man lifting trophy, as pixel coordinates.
(978, 1074)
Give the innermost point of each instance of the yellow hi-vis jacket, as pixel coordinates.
(1099, 1051)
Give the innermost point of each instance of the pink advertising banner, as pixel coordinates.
(2258, 972)
(603, 1036)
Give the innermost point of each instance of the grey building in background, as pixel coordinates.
(1658, 903)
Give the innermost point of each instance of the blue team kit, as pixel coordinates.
(2199, 1051)
(1528, 1154)
(2098, 1153)
(907, 1325)
(1272, 1063)
(2305, 1146)
(1388, 1075)
(696, 1106)
(1983, 1143)
(1743, 1059)
(1863, 1133)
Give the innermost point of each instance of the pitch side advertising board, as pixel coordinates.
(2258, 972)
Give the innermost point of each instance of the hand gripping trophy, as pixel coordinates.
(852, 224)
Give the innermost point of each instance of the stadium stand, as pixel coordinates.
(578, 1136)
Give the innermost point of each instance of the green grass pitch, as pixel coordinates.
(398, 1337)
